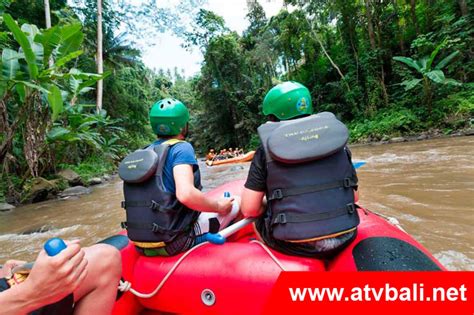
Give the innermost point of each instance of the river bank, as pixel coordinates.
(68, 183)
(425, 135)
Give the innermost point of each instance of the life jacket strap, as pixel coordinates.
(148, 226)
(278, 194)
(152, 204)
(283, 218)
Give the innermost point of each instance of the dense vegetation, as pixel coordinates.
(386, 68)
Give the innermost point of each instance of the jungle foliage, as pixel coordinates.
(383, 67)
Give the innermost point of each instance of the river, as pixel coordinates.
(428, 186)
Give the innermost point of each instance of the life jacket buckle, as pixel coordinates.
(154, 205)
(347, 182)
(155, 228)
(351, 208)
(277, 194)
(122, 204)
(123, 225)
(281, 218)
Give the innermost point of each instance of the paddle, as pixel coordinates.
(359, 164)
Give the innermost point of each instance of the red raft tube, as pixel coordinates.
(237, 277)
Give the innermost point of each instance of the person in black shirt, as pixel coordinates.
(288, 101)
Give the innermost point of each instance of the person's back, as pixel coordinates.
(304, 169)
(165, 209)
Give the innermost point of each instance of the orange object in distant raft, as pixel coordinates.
(239, 159)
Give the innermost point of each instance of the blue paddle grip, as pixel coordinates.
(54, 246)
(215, 238)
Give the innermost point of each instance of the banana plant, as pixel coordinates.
(429, 73)
(31, 83)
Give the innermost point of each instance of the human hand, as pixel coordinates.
(6, 270)
(224, 205)
(57, 276)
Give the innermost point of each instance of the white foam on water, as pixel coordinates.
(433, 155)
(49, 233)
(410, 217)
(454, 260)
(406, 200)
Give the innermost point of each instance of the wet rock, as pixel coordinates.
(71, 177)
(75, 191)
(106, 177)
(469, 132)
(236, 168)
(422, 137)
(40, 189)
(39, 229)
(6, 206)
(397, 139)
(95, 181)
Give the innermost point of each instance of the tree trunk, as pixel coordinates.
(47, 17)
(413, 15)
(47, 14)
(370, 27)
(463, 6)
(100, 65)
(401, 29)
(428, 94)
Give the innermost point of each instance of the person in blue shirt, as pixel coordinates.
(184, 212)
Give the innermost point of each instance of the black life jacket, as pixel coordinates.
(153, 214)
(310, 178)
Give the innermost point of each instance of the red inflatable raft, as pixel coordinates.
(216, 279)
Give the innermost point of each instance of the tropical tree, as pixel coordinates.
(32, 92)
(429, 73)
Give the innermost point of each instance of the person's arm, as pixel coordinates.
(192, 197)
(50, 280)
(252, 203)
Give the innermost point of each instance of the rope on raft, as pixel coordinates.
(125, 286)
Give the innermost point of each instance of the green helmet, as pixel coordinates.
(287, 100)
(168, 117)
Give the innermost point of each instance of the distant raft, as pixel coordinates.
(239, 159)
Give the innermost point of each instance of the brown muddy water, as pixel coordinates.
(428, 186)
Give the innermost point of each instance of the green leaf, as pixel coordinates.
(410, 84)
(10, 64)
(409, 62)
(31, 31)
(21, 38)
(436, 76)
(70, 44)
(423, 64)
(443, 63)
(21, 91)
(70, 30)
(33, 86)
(57, 133)
(55, 101)
(62, 61)
(452, 82)
(433, 55)
(49, 39)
